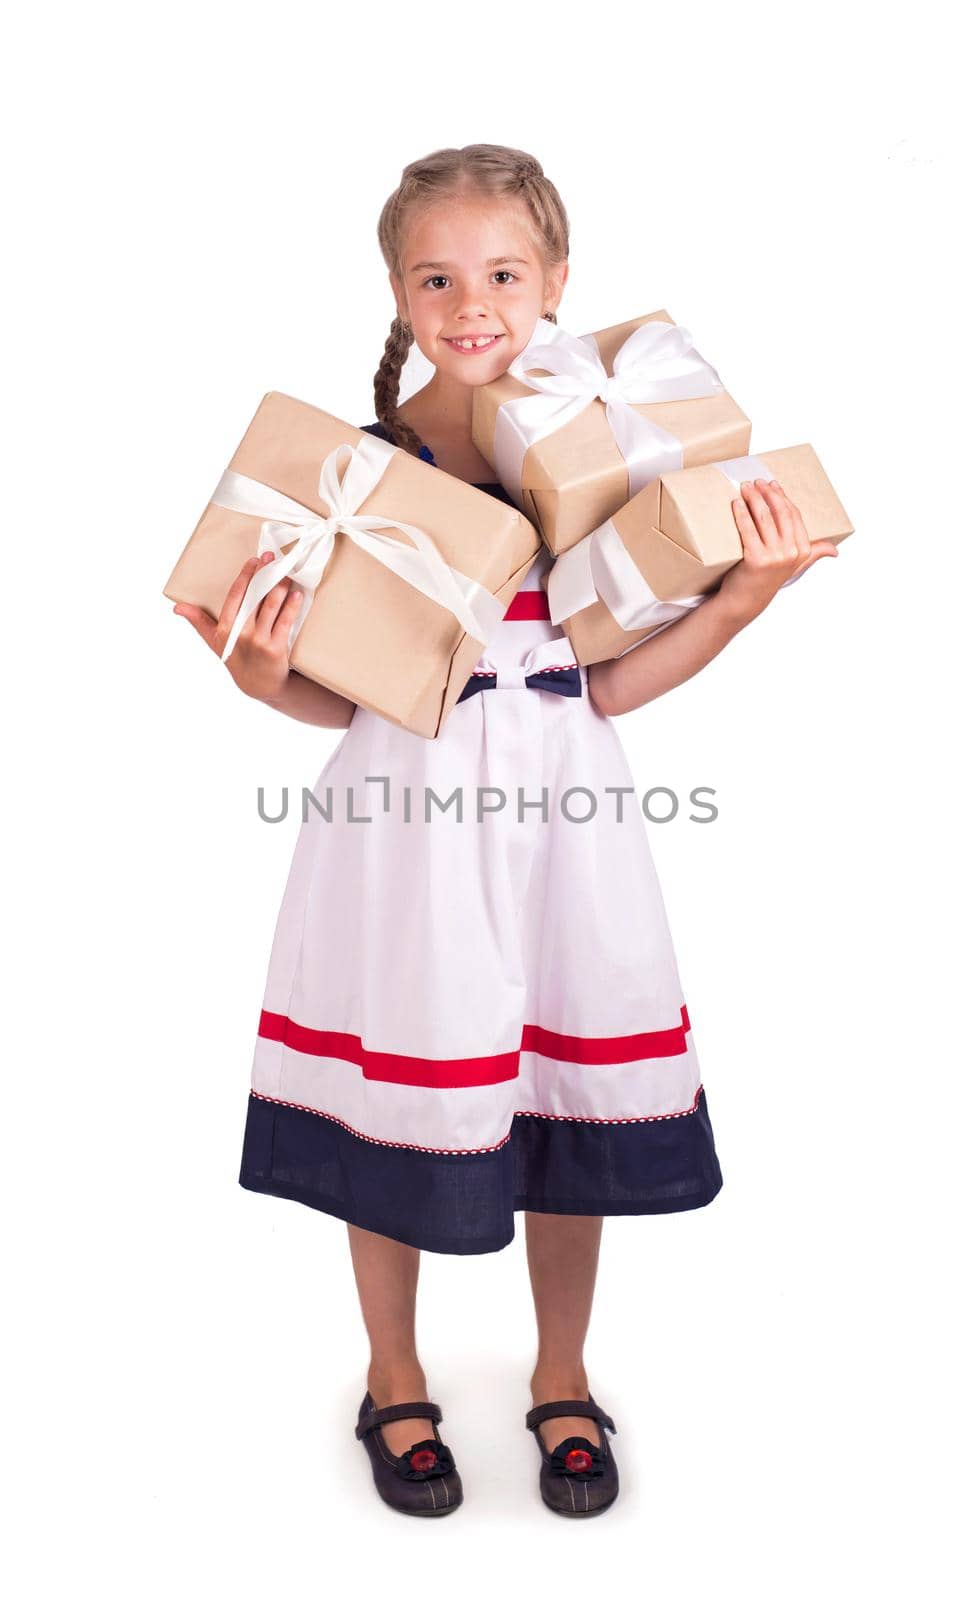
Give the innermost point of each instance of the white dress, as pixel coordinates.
(472, 1005)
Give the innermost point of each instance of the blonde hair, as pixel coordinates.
(488, 169)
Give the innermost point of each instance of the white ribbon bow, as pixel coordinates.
(657, 362)
(421, 565)
(511, 675)
(599, 567)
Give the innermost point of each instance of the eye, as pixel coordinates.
(440, 277)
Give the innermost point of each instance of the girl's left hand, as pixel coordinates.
(775, 546)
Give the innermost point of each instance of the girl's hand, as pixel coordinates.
(259, 662)
(775, 547)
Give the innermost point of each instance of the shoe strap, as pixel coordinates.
(569, 1408)
(408, 1408)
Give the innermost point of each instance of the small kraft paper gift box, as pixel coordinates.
(406, 571)
(663, 552)
(577, 426)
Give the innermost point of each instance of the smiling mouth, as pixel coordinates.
(471, 344)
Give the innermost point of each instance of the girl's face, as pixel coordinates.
(474, 285)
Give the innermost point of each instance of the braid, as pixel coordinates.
(386, 388)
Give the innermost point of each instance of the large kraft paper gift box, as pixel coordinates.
(666, 549)
(599, 418)
(406, 570)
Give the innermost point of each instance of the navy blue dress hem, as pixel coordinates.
(445, 1202)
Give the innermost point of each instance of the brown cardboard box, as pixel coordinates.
(576, 477)
(368, 634)
(679, 535)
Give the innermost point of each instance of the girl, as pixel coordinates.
(468, 1015)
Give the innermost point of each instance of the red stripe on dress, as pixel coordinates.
(606, 1052)
(472, 1072)
(529, 605)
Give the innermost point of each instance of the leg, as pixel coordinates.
(562, 1262)
(386, 1281)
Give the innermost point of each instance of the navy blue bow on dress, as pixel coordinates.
(560, 680)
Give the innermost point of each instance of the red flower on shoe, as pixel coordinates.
(428, 1459)
(577, 1457)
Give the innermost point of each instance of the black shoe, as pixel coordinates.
(578, 1478)
(424, 1481)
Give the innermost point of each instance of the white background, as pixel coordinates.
(192, 193)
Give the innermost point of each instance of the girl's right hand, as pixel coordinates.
(776, 547)
(259, 662)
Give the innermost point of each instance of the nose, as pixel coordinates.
(472, 304)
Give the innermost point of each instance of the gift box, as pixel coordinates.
(406, 571)
(577, 426)
(663, 552)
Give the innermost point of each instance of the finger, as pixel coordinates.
(801, 537)
(760, 512)
(270, 606)
(288, 613)
(200, 621)
(241, 581)
(233, 600)
(781, 512)
(747, 527)
(822, 548)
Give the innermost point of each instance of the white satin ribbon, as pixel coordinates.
(599, 567)
(421, 565)
(743, 469)
(657, 362)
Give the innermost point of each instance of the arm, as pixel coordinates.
(658, 665)
(775, 548)
(307, 701)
